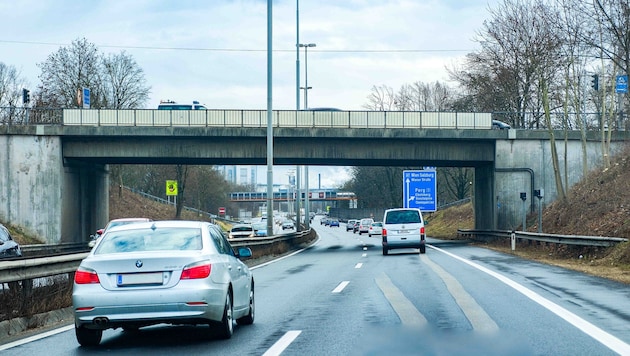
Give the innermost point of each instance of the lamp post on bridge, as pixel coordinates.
(306, 87)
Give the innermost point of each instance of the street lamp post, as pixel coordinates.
(306, 96)
(306, 87)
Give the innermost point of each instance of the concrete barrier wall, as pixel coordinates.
(535, 155)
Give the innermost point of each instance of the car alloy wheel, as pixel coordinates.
(226, 326)
(249, 318)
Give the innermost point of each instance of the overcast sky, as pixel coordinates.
(214, 51)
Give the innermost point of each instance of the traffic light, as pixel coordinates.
(595, 82)
(26, 96)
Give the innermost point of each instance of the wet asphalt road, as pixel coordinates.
(343, 297)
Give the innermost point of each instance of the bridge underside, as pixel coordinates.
(312, 147)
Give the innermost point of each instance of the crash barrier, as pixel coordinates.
(38, 267)
(491, 235)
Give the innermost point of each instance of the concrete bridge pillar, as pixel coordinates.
(85, 201)
(485, 216)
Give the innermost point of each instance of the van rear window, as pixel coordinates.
(403, 217)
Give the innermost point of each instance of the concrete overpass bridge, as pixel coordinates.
(54, 176)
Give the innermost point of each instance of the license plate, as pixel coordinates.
(404, 231)
(131, 279)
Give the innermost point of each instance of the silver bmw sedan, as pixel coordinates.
(174, 272)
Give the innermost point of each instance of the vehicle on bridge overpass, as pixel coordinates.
(171, 105)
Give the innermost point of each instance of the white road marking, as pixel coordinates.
(358, 265)
(364, 255)
(407, 312)
(341, 286)
(479, 319)
(284, 342)
(36, 337)
(612, 342)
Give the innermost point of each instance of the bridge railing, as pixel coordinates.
(281, 118)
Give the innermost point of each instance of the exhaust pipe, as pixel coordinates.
(100, 321)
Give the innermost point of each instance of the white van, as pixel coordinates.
(403, 228)
(171, 105)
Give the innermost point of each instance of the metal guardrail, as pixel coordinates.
(598, 241)
(50, 249)
(30, 268)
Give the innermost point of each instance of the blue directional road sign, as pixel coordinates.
(621, 84)
(86, 98)
(419, 190)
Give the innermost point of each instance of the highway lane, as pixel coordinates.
(342, 297)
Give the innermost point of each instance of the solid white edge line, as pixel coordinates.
(282, 343)
(608, 340)
(36, 337)
(341, 286)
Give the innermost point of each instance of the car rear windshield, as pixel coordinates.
(403, 217)
(158, 239)
(242, 228)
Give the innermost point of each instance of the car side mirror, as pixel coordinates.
(244, 252)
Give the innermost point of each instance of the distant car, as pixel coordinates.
(500, 125)
(364, 225)
(350, 224)
(241, 231)
(173, 272)
(260, 229)
(376, 228)
(403, 228)
(333, 222)
(114, 223)
(8, 246)
(323, 221)
(288, 224)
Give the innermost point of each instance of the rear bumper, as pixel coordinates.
(403, 243)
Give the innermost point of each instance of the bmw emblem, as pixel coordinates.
(138, 263)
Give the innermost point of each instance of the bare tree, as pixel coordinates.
(67, 71)
(518, 44)
(454, 183)
(11, 85)
(421, 96)
(381, 99)
(572, 26)
(125, 82)
(182, 175)
(554, 153)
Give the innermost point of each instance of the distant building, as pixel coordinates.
(242, 175)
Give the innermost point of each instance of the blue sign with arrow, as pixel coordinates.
(419, 190)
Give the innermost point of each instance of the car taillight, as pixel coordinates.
(85, 276)
(422, 230)
(196, 271)
(384, 232)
